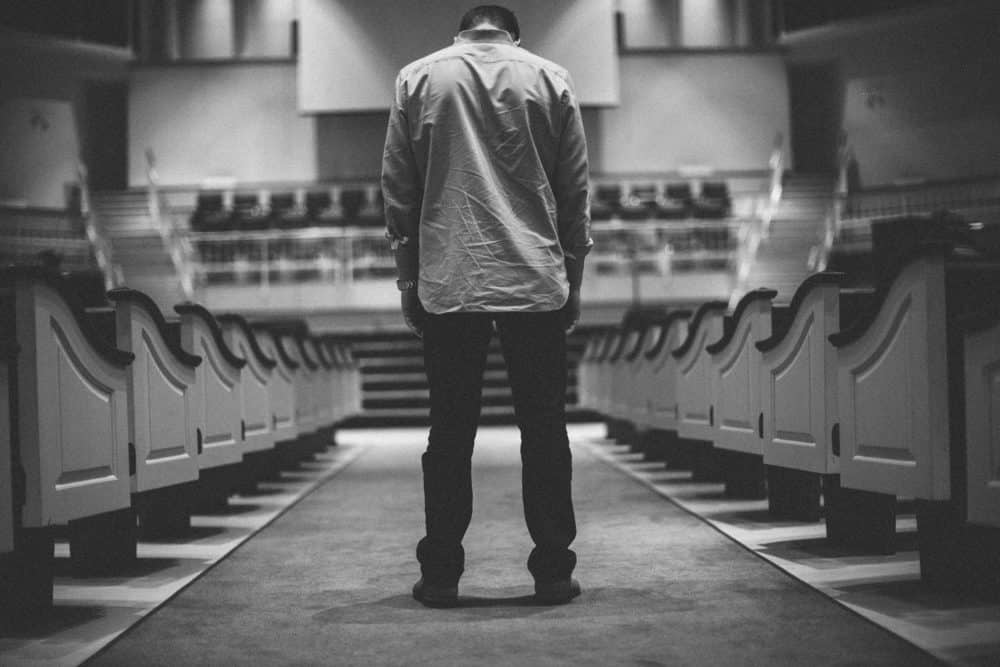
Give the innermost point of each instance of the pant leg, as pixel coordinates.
(534, 347)
(455, 348)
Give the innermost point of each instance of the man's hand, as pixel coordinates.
(413, 311)
(571, 311)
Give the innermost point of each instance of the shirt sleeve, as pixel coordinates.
(572, 181)
(402, 190)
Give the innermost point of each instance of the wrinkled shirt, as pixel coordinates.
(485, 167)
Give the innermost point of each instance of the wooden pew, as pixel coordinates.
(618, 428)
(693, 389)
(661, 390)
(621, 376)
(309, 399)
(70, 443)
(161, 417)
(218, 406)
(282, 396)
(353, 380)
(960, 547)
(8, 354)
(287, 335)
(256, 422)
(655, 387)
(637, 390)
(587, 369)
(798, 394)
(324, 391)
(602, 383)
(798, 399)
(734, 368)
(899, 391)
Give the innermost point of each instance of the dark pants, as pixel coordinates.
(534, 347)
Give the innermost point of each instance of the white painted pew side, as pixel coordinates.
(735, 362)
(982, 422)
(255, 379)
(281, 388)
(892, 390)
(72, 405)
(8, 356)
(356, 381)
(621, 375)
(341, 379)
(583, 370)
(218, 383)
(798, 378)
(661, 394)
(324, 382)
(695, 411)
(606, 373)
(162, 395)
(637, 391)
(305, 410)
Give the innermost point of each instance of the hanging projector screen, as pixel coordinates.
(351, 50)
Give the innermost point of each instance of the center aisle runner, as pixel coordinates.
(329, 583)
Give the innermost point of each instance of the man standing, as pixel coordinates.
(485, 182)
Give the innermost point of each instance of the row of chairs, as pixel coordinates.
(117, 421)
(836, 406)
(655, 200)
(218, 211)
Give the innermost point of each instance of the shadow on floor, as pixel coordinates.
(820, 547)
(142, 567)
(57, 619)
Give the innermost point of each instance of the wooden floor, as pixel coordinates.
(90, 613)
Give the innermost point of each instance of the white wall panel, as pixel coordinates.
(351, 51)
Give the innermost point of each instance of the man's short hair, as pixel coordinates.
(499, 16)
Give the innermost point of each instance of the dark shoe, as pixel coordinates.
(430, 595)
(557, 592)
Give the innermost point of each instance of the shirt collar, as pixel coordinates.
(489, 35)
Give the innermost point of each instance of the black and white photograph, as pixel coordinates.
(549, 333)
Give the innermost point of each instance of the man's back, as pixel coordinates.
(486, 123)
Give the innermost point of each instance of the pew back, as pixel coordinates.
(736, 376)
(892, 391)
(72, 407)
(7, 355)
(695, 411)
(982, 427)
(218, 389)
(281, 389)
(799, 387)
(162, 400)
(255, 379)
(662, 394)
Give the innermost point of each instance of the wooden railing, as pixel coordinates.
(176, 245)
(99, 244)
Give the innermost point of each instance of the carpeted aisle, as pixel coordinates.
(329, 582)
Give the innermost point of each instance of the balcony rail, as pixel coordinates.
(352, 254)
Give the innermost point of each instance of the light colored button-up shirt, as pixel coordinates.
(485, 167)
